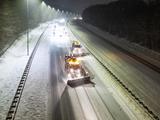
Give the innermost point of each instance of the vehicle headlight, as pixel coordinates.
(79, 75)
(69, 75)
(78, 71)
(74, 52)
(71, 70)
(80, 51)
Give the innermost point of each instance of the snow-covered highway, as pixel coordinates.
(46, 95)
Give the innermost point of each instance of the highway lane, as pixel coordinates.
(47, 96)
(91, 102)
(83, 102)
(143, 81)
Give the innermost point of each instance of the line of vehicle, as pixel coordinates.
(17, 97)
(147, 109)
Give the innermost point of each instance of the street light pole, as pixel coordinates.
(27, 29)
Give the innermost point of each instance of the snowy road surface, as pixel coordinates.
(47, 97)
(143, 81)
(12, 65)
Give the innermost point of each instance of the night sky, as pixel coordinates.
(75, 5)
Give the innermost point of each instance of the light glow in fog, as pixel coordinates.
(59, 37)
(62, 20)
